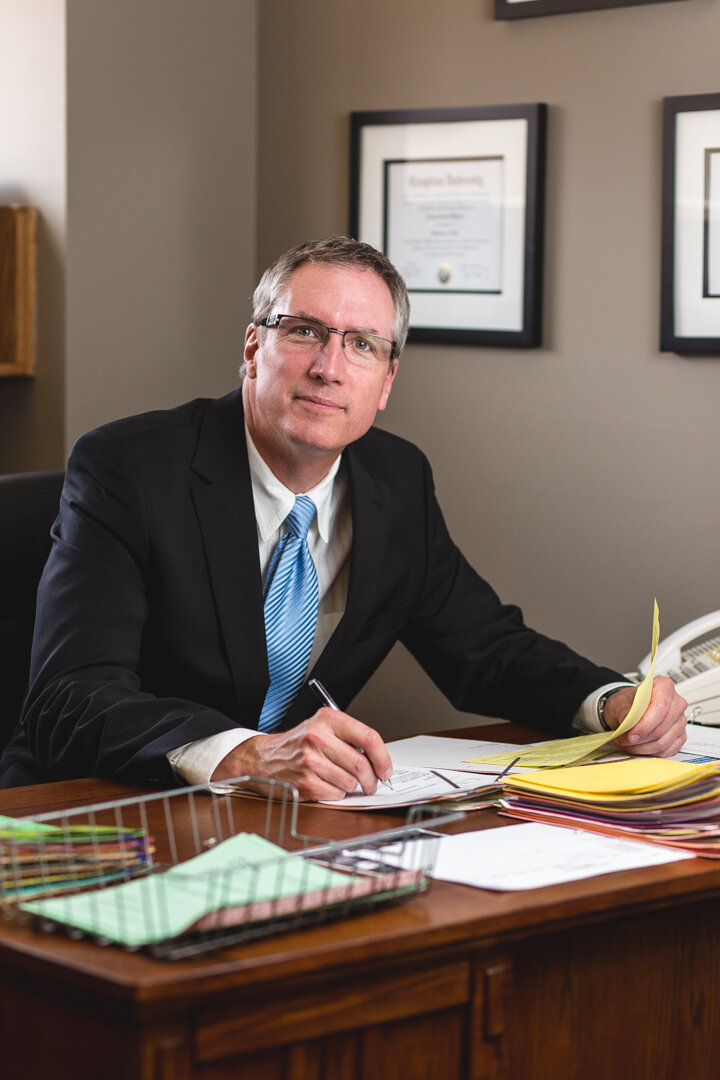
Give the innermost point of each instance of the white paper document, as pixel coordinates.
(444, 752)
(703, 744)
(413, 785)
(534, 855)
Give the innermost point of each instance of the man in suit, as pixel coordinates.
(153, 655)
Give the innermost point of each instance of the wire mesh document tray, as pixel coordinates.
(182, 872)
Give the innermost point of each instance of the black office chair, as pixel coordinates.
(28, 506)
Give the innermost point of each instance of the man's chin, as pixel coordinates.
(314, 446)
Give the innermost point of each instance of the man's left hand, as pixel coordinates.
(660, 732)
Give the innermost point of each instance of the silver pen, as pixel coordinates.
(322, 693)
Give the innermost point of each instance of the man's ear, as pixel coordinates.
(387, 385)
(252, 344)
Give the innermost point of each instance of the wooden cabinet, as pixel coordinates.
(17, 289)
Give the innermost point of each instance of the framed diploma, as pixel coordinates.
(523, 9)
(455, 199)
(690, 300)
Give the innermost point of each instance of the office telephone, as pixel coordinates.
(691, 657)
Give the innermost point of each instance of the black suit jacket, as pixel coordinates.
(149, 629)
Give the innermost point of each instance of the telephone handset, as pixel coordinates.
(691, 657)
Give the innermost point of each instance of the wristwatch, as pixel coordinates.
(601, 705)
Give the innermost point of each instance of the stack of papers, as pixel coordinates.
(653, 799)
(245, 879)
(36, 858)
(411, 786)
(414, 785)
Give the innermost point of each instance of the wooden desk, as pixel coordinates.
(615, 977)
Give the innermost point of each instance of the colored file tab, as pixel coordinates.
(559, 752)
(37, 857)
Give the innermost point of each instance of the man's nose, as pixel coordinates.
(329, 360)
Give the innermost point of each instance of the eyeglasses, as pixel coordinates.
(308, 335)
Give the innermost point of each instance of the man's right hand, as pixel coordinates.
(325, 757)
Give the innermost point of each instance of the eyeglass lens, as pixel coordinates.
(311, 333)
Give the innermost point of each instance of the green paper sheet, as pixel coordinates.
(244, 872)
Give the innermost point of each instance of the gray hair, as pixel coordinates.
(340, 251)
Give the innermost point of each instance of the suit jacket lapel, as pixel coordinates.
(369, 500)
(222, 494)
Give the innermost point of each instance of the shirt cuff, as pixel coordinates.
(196, 761)
(586, 719)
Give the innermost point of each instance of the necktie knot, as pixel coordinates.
(300, 517)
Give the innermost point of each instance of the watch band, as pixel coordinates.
(602, 701)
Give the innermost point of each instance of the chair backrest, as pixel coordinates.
(28, 506)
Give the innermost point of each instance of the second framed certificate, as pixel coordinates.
(455, 199)
(690, 300)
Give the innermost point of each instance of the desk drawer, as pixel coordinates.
(303, 1015)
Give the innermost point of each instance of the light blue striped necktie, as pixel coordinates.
(291, 606)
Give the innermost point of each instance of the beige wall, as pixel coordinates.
(161, 197)
(578, 477)
(132, 127)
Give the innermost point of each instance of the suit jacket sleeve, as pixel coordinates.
(123, 661)
(479, 651)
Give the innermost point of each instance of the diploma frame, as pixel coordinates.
(525, 9)
(690, 286)
(508, 312)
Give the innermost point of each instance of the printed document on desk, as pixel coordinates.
(444, 752)
(703, 744)
(535, 855)
(411, 786)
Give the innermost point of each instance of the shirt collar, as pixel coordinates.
(273, 501)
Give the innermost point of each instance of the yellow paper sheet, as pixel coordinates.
(558, 752)
(617, 778)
